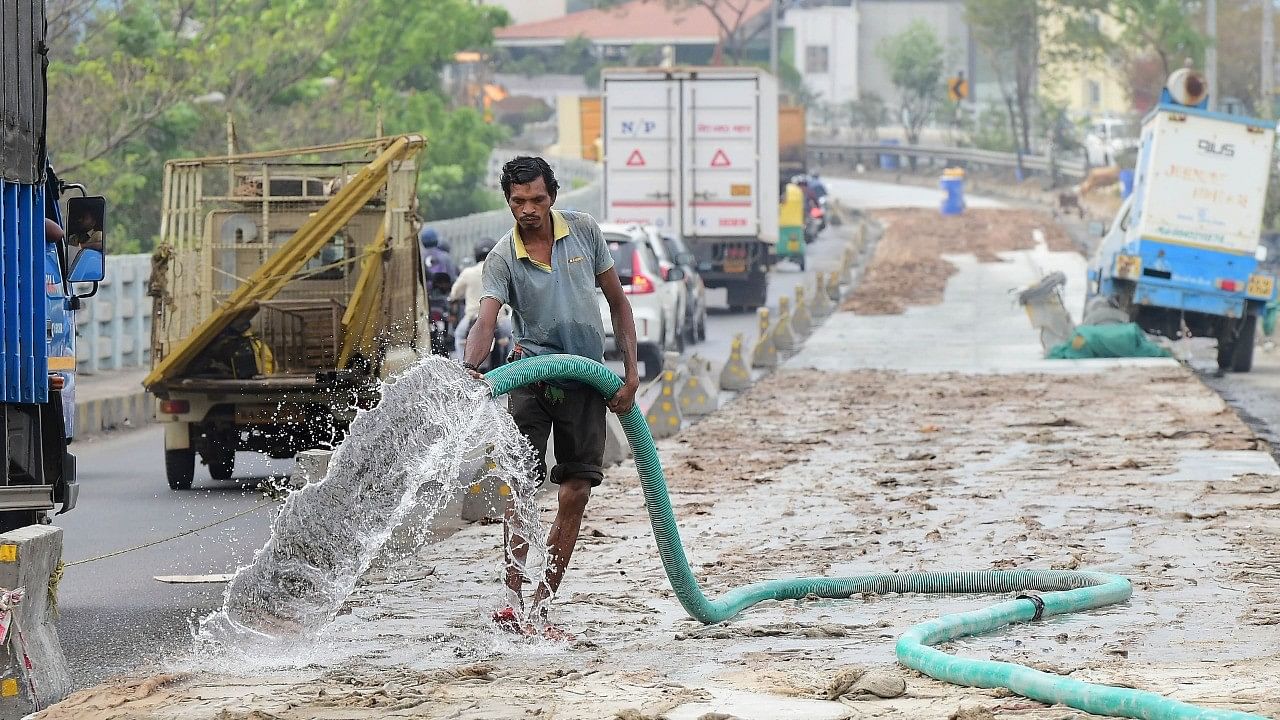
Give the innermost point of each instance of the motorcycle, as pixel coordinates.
(502, 344)
(440, 316)
(815, 223)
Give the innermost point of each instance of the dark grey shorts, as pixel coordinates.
(576, 416)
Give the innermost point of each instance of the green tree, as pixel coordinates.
(865, 116)
(1166, 31)
(914, 57)
(1239, 47)
(1008, 33)
(136, 82)
(738, 23)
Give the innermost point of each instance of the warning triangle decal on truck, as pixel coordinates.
(635, 159)
(720, 159)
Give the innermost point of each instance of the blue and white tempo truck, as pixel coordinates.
(42, 257)
(1181, 258)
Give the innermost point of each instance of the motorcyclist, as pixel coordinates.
(435, 255)
(816, 184)
(469, 288)
(810, 197)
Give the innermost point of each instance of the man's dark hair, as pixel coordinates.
(523, 170)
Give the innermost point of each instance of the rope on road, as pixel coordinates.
(182, 534)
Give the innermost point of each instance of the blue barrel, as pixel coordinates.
(953, 202)
(1126, 183)
(889, 161)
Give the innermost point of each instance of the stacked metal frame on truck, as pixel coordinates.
(282, 283)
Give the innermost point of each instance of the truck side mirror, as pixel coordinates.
(86, 239)
(675, 274)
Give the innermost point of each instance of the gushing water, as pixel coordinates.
(403, 458)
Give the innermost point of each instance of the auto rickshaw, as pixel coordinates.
(791, 222)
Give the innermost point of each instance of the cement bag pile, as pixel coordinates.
(1107, 341)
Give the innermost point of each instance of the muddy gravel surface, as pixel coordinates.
(909, 266)
(826, 474)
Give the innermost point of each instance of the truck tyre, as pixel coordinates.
(1242, 358)
(221, 462)
(219, 453)
(1226, 350)
(180, 468)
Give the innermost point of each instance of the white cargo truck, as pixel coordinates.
(1182, 256)
(694, 151)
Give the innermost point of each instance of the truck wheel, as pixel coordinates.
(219, 453)
(221, 462)
(1242, 358)
(1226, 350)
(180, 468)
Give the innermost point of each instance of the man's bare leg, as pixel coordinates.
(573, 496)
(516, 550)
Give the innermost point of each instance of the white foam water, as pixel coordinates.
(402, 458)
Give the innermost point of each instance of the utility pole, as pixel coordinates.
(773, 37)
(1268, 57)
(1211, 52)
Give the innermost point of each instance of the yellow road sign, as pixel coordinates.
(957, 88)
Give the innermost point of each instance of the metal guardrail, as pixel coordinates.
(113, 328)
(826, 154)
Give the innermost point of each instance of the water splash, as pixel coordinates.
(402, 458)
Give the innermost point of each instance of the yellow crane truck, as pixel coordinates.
(285, 285)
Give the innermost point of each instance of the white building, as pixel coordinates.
(527, 11)
(826, 42)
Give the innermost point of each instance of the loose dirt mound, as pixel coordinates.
(908, 267)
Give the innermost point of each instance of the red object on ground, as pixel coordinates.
(507, 619)
(551, 632)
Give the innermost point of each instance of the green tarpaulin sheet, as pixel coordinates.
(1107, 341)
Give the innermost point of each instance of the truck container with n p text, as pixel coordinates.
(694, 152)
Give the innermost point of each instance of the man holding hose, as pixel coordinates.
(547, 268)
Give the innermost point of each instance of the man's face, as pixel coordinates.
(530, 204)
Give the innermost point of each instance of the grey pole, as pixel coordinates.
(1268, 58)
(1211, 52)
(773, 37)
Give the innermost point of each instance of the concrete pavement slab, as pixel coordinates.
(978, 328)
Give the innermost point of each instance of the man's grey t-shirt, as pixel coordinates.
(554, 308)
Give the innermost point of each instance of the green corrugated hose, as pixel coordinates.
(1063, 591)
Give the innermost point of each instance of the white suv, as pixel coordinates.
(654, 300)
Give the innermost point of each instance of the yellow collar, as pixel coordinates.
(559, 229)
